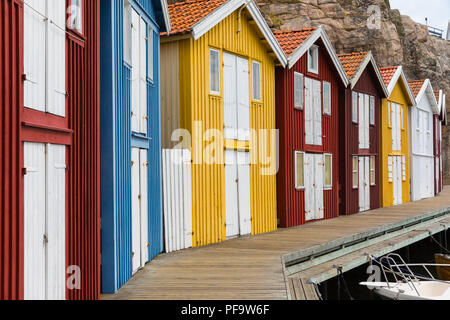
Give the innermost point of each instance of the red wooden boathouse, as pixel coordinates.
(359, 131)
(307, 116)
(49, 168)
(439, 120)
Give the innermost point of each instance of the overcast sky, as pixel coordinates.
(437, 11)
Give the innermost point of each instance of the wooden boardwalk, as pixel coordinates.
(251, 267)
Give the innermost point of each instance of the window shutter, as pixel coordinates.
(256, 75)
(372, 110)
(390, 168)
(57, 58)
(34, 52)
(404, 168)
(143, 116)
(298, 90)
(355, 107)
(361, 128)
(135, 73)
(230, 87)
(326, 98)
(143, 191)
(150, 45)
(309, 133)
(366, 121)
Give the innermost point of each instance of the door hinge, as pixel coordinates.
(24, 77)
(139, 197)
(24, 171)
(45, 239)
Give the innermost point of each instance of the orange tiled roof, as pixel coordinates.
(415, 86)
(291, 40)
(351, 62)
(387, 74)
(436, 93)
(183, 15)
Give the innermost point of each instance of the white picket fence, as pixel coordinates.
(176, 166)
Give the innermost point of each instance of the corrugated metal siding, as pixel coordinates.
(83, 220)
(208, 180)
(399, 96)
(11, 184)
(116, 149)
(367, 84)
(290, 122)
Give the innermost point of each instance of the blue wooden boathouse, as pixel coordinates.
(131, 199)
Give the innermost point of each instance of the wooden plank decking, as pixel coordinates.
(251, 267)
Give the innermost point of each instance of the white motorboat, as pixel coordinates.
(419, 290)
(406, 284)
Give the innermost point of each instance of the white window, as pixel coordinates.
(326, 98)
(127, 32)
(372, 171)
(299, 165)
(214, 71)
(427, 121)
(390, 175)
(313, 59)
(401, 116)
(372, 110)
(298, 90)
(256, 66)
(328, 174)
(404, 168)
(150, 53)
(355, 107)
(418, 113)
(389, 114)
(76, 15)
(355, 172)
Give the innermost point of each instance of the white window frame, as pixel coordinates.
(76, 6)
(389, 114)
(371, 110)
(313, 53)
(299, 104)
(328, 110)
(355, 171)
(150, 48)
(325, 186)
(254, 97)
(372, 170)
(354, 107)
(215, 92)
(402, 123)
(295, 167)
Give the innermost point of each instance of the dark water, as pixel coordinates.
(419, 252)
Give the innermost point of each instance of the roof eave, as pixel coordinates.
(301, 50)
(166, 15)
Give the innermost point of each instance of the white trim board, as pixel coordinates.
(165, 10)
(400, 74)
(369, 59)
(223, 11)
(303, 48)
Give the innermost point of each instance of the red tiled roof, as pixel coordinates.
(387, 74)
(415, 86)
(183, 15)
(291, 40)
(351, 62)
(436, 93)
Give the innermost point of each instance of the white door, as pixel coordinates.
(397, 179)
(313, 112)
(44, 221)
(236, 97)
(364, 184)
(135, 209)
(319, 166)
(314, 175)
(230, 96)
(237, 193)
(139, 208)
(243, 166)
(143, 117)
(135, 71)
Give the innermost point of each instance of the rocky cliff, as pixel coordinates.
(353, 25)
